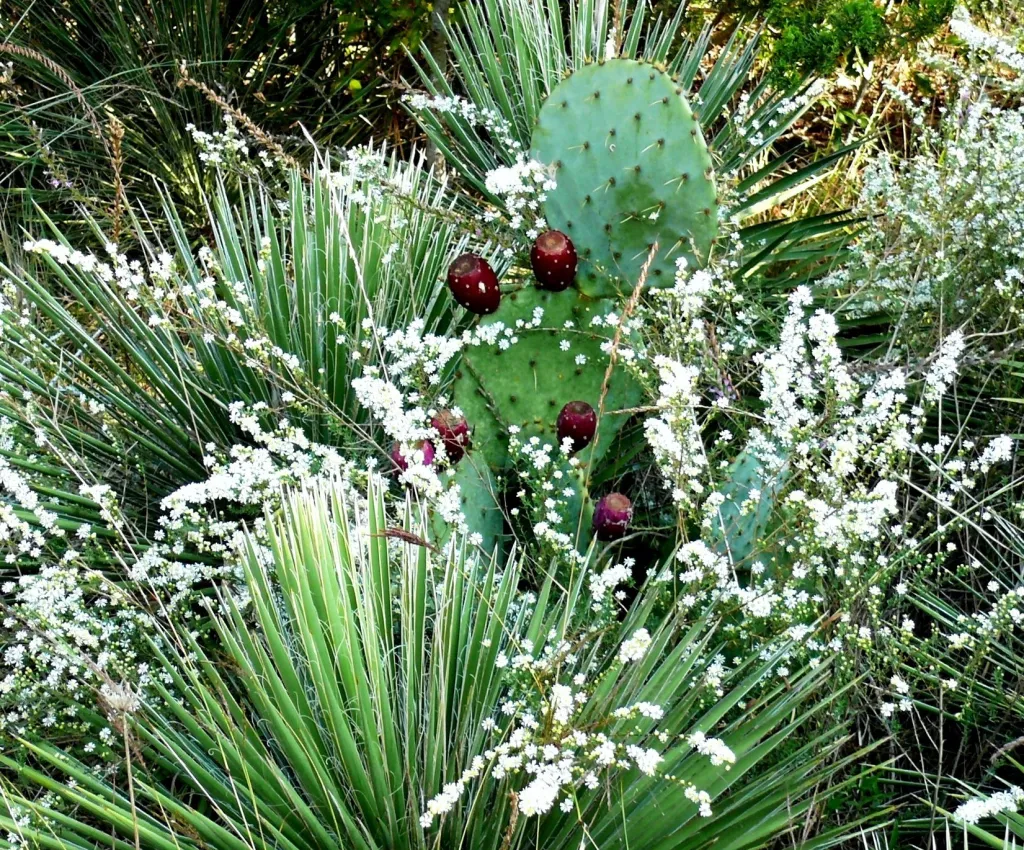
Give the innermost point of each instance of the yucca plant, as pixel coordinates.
(94, 113)
(129, 365)
(370, 693)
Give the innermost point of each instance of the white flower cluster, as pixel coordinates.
(823, 471)
(986, 44)
(178, 304)
(944, 227)
(558, 758)
(194, 519)
(523, 187)
(850, 438)
(71, 633)
(412, 360)
(414, 357)
(901, 691)
(227, 148)
(19, 537)
(801, 377)
(675, 433)
(979, 808)
(714, 748)
(128, 276)
(605, 585)
(550, 490)
(470, 115)
(220, 148)
(944, 368)
(67, 629)
(978, 631)
(635, 648)
(366, 175)
(960, 467)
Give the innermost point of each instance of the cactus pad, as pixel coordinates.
(740, 533)
(480, 502)
(632, 169)
(528, 383)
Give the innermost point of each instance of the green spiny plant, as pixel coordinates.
(525, 386)
(508, 109)
(632, 171)
(636, 196)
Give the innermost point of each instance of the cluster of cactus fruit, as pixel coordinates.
(634, 190)
(474, 285)
(522, 388)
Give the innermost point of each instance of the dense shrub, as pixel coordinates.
(94, 112)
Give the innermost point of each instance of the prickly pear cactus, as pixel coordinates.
(631, 169)
(553, 355)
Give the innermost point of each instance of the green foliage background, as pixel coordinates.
(97, 113)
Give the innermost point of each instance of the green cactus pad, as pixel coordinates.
(527, 384)
(743, 535)
(632, 170)
(480, 502)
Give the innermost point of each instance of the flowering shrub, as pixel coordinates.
(939, 251)
(945, 232)
(810, 521)
(987, 47)
(558, 699)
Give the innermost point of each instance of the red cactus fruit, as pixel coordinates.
(554, 260)
(579, 422)
(474, 284)
(454, 432)
(612, 516)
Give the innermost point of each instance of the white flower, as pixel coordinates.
(715, 748)
(635, 648)
(979, 808)
(646, 759)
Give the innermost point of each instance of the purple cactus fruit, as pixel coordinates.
(612, 516)
(454, 432)
(554, 260)
(402, 461)
(474, 284)
(579, 422)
